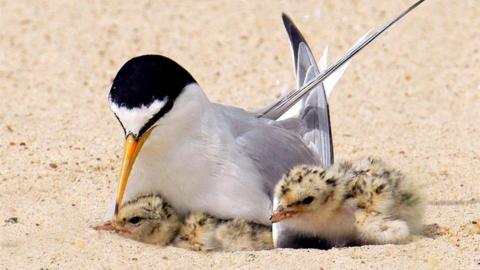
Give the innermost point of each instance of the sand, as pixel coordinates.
(411, 98)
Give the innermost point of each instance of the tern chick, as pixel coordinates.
(150, 219)
(202, 232)
(361, 202)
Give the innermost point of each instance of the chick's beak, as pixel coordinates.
(110, 227)
(105, 227)
(132, 148)
(283, 213)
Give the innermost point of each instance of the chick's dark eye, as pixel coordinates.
(379, 189)
(308, 200)
(135, 220)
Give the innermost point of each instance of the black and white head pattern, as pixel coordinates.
(145, 89)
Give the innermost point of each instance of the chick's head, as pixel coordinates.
(304, 190)
(149, 219)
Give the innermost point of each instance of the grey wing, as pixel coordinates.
(274, 150)
(313, 109)
(303, 61)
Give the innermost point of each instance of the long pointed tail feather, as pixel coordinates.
(280, 107)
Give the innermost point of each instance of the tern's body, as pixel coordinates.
(210, 158)
(198, 161)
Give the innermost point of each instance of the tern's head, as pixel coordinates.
(143, 93)
(144, 90)
(148, 219)
(303, 191)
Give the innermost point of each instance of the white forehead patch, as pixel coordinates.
(133, 120)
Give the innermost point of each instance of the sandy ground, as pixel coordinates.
(412, 98)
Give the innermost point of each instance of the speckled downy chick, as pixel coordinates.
(151, 219)
(202, 232)
(361, 202)
(148, 218)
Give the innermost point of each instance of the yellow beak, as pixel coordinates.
(132, 148)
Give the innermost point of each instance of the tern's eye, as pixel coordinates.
(135, 220)
(308, 200)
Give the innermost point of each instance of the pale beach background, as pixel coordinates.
(412, 97)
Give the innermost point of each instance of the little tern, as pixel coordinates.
(221, 160)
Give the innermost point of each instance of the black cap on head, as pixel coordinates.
(147, 78)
